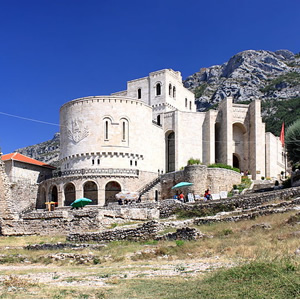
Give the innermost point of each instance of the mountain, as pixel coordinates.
(273, 77)
(47, 152)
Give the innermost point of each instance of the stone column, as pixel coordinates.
(226, 142)
(257, 141)
(208, 145)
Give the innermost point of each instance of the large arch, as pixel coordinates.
(218, 144)
(90, 191)
(111, 189)
(54, 194)
(239, 133)
(170, 151)
(70, 193)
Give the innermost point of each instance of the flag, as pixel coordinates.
(282, 135)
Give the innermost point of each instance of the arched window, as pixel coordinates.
(106, 130)
(170, 89)
(139, 93)
(124, 130)
(186, 102)
(190, 105)
(106, 124)
(174, 92)
(158, 89)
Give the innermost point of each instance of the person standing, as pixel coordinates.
(181, 197)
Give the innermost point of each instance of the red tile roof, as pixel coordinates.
(22, 158)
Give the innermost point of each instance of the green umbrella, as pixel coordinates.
(81, 202)
(181, 184)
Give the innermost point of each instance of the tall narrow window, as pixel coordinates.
(158, 89)
(170, 89)
(158, 120)
(124, 131)
(106, 130)
(190, 105)
(174, 92)
(185, 102)
(139, 93)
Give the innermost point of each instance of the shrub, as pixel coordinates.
(179, 243)
(224, 166)
(292, 140)
(193, 161)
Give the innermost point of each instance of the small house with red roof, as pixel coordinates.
(19, 167)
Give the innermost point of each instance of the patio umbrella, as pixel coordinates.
(181, 184)
(127, 195)
(81, 202)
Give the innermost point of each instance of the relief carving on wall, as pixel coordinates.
(77, 132)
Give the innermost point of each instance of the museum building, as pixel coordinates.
(127, 140)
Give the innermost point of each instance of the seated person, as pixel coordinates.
(207, 195)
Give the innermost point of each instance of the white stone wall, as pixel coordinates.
(189, 137)
(274, 156)
(19, 171)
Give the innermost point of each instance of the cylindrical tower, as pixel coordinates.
(109, 132)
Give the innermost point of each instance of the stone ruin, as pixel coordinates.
(92, 223)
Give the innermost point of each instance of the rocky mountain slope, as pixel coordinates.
(273, 77)
(47, 152)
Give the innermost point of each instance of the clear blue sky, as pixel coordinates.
(53, 51)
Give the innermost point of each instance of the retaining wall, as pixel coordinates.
(202, 177)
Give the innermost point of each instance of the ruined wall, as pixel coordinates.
(167, 208)
(5, 193)
(65, 221)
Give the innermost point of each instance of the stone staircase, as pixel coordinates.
(146, 189)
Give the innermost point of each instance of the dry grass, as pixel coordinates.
(232, 242)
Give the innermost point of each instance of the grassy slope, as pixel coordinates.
(267, 266)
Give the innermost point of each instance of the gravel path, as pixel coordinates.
(104, 275)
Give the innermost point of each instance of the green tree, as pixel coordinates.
(292, 140)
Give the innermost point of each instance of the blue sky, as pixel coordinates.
(53, 51)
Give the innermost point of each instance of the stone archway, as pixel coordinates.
(54, 195)
(218, 142)
(235, 161)
(70, 194)
(170, 151)
(239, 153)
(90, 191)
(111, 189)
